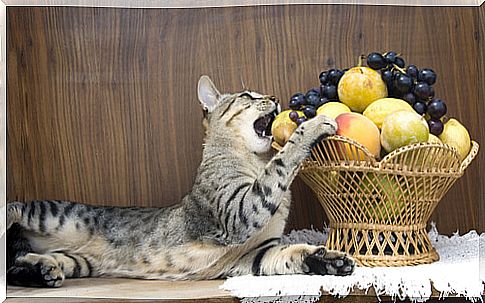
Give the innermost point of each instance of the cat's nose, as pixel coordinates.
(274, 99)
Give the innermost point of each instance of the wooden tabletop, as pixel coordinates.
(110, 288)
(107, 290)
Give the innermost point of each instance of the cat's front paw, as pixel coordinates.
(329, 262)
(316, 129)
(323, 126)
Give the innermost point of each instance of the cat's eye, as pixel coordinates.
(246, 96)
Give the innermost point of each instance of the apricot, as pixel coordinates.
(283, 127)
(360, 129)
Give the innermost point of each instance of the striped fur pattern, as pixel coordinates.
(229, 224)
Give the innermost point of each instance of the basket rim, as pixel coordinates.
(375, 165)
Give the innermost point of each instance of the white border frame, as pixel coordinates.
(3, 146)
(227, 3)
(138, 4)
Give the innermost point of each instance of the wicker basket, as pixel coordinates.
(378, 210)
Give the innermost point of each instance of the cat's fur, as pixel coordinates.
(228, 224)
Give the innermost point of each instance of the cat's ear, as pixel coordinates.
(208, 93)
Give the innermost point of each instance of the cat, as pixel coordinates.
(229, 224)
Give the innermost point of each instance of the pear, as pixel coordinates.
(457, 136)
(390, 192)
(433, 139)
(378, 110)
(402, 128)
(333, 109)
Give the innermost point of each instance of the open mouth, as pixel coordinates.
(262, 126)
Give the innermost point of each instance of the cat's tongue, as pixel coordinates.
(262, 126)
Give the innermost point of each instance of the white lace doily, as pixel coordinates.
(459, 272)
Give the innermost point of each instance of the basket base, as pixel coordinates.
(391, 261)
(391, 246)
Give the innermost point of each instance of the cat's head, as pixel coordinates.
(245, 115)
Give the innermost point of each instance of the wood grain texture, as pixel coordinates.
(103, 108)
(109, 290)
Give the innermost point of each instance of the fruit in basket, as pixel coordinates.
(435, 126)
(333, 109)
(403, 128)
(378, 110)
(436, 108)
(360, 129)
(387, 191)
(456, 135)
(283, 126)
(434, 139)
(360, 86)
(376, 61)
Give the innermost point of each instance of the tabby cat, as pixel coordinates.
(229, 224)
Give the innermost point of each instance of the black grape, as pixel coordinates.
(435, 126)
(400, 62)
(390, 57)
(422, 90)
(329, 91)
(300, 120)
(323, 100)
(296, 101)
(436, 108)
(300, 97)
(323, 77)
(427, 75)
(409, 98)
(392, 92)
(376, 61)
(419, 107)
(294, 104)
(403, 83)
(340, 74)
(312, 99)
(387, 76)
(412, 71)
(293, 116)
(309, 111)
(334, 76)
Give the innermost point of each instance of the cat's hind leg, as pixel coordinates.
(36, 270)
(14, 213)
(47, 270)
(278, 259)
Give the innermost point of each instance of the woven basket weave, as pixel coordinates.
(378, 210)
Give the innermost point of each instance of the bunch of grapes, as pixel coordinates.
(314, 98)
(411, 84)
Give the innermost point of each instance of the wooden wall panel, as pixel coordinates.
(102, 104)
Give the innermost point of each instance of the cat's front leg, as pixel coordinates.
(278, 259)
(262, 198)
(302, 140)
